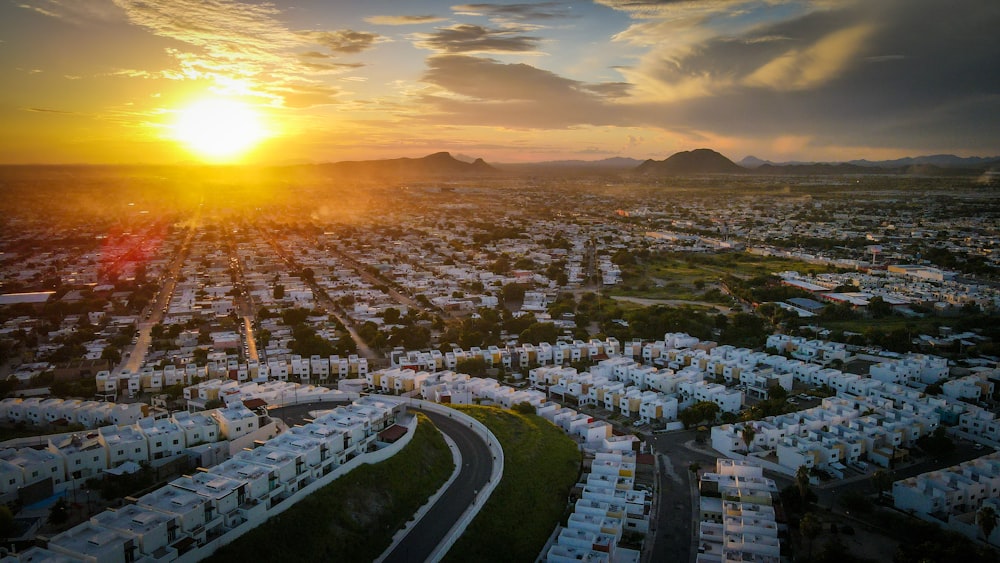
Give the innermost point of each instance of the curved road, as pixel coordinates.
(477, 464)
(431, 530)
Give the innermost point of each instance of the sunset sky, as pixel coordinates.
(119, 81)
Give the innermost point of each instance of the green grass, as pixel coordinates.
(541, 465)
(676, 273)
(353, 518)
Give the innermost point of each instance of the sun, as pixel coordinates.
(219, 129)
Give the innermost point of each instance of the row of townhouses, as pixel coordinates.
(608, 506)
(952, 497)
(69, 459)
(842, 430)
(737, 516)
(192, 516)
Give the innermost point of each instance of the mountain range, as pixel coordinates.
(440, 164)
(694, 162)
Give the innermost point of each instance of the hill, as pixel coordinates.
(440, 164)
(698, 161)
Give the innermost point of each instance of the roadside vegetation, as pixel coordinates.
(353, 518)
(541, 465)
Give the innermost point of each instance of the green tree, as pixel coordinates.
(802, 483)
(391, 316)
(748, 434)
(882, 481)
(7, 527)
(59, 513)
(878, 308)
(987, 520)
(702, 411)
(475, 367)
(810, 527)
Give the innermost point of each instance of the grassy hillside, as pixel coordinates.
(541, 466)
(353, 518)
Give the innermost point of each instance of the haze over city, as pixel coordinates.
(121, 81)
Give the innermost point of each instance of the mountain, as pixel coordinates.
(698, 161)
(434, 165)
(938, 160)
(753, 162)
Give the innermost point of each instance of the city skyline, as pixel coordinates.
(128, 82)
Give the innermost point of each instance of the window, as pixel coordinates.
(137, 450)
(78, 462)
(120, 452)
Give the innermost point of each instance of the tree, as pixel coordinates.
(987, 520)
(7, 526)
(810, 527)
(882, 481)
(59, 513)
(748, 434)
(702, 411)
(475, 367)
(802, 483)
(391, 316)
(878, 308)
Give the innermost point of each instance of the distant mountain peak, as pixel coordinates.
(697, 161)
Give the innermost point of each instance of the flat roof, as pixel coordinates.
(28, 297)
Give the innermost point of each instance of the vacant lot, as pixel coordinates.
(353, 518)
(541, 464)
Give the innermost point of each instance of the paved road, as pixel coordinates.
(673, 525)
(477, 464)
(137, 355)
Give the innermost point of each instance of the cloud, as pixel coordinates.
(807, 68)
(468, 38)
(49, 110)
(75, 11)
(342, 41)
(518, 12)
(485, 91)
(246, 49)
(402, 20)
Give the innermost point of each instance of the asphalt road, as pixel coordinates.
(477, 464)
(674, 521)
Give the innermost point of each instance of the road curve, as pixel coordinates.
(432, 529)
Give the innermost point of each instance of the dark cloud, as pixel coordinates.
(467, 38)
(918, 69)
(342, 41)
(520, 12)
(515, 95)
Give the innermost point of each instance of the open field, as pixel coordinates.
(541, 464)
(353, 518)
(696, 277)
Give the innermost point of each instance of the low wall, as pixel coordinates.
(370, 458)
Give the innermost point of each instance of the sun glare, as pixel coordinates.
(219, 130)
